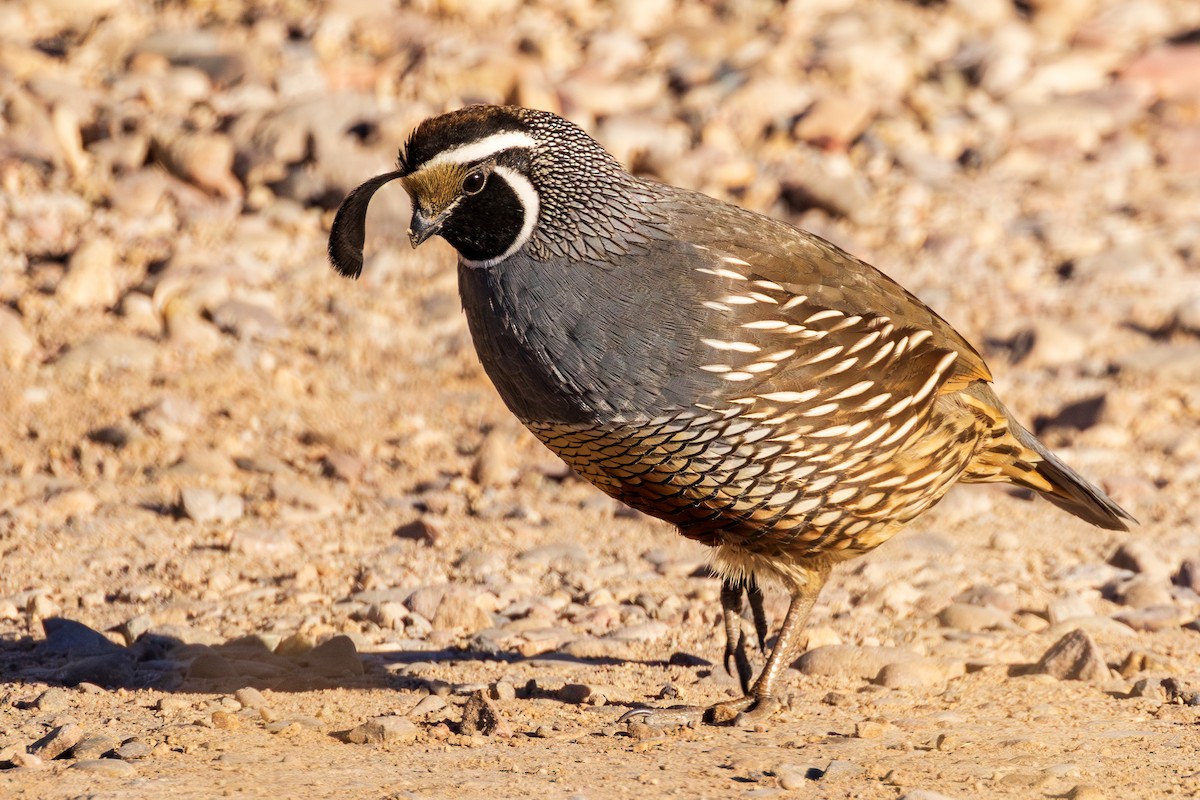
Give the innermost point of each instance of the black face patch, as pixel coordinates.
(484, 225)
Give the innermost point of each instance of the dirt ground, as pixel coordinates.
(265, 532)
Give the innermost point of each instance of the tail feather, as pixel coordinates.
(1014, 455)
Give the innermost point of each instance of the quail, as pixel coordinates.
(773, 396)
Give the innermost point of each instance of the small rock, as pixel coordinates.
(250, 697)
(642, 632)
(1140, 556)
(1070, 607)
(389, 615)
(57, 741)
(503, 691)
(925, 794)
(334, 658)
(90, 281)
(110, 767)
(26, 760)
(247, 320)
(1084, 791)
(263, 543)
(112, 670)
(1150, 688)
(851, 661)
(423, 530)
(15, 343)
(481, 716)
(972, 618)
(919, 672)
(1153, 618)
(1144, 591)
(66, 637)
(93, 747)
(205, 505)
(841, 769)
(494, 462)
(384, 730)
(52, 700)
(210, 666)
(872, 729)
(574, 693)
(223, 720)
(134, 750)
(294, 491)
(793, 778)
(427, 705)
(458, 611)
(1074, 657)
(106, 351)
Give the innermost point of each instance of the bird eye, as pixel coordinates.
(473, 183)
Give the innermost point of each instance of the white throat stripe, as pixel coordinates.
(477, 151)
(528, 197)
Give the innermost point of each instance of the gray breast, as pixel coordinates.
(581, 343)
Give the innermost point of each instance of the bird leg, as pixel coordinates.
(754, 594)
(731, 606)
(759, 701)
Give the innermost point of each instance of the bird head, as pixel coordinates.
(484, 178)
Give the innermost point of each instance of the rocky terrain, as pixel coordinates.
(266, 532)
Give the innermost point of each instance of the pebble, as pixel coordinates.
(925, 794)
(90, 281)
(427, 705)
(1141, 556)
(384, 730)
(223, 720)
(135, 749)
(112, 670)
(503, 691)
(480, 715)
(93, 746)
(972, 618)
(15, 342)
(66, 637)
(250, 697)
(205, 505)
(458, 611)
(334, 657)
(1075, 657)
(851, 661)
(108, 767)
(264, 543)
(295, 491)
(424, 530)
(58, 741)
(110, 351)
(52, 700)
(210, 666)
(919, 672)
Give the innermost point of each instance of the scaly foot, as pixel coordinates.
(740, 712)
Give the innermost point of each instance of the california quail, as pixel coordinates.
(770, 394)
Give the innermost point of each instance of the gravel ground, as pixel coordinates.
(265, 532)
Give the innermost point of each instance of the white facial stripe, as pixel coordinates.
(479, 150)
(528, 198)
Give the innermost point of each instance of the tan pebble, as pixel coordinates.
(15, 343)
(90, 281)
(225, 721)
(871, 729)
(1084, 791)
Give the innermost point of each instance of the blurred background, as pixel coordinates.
(199, 419)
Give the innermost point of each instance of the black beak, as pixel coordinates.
(350, 226)
(422, 227)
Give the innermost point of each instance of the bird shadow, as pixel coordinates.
(71, 654)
